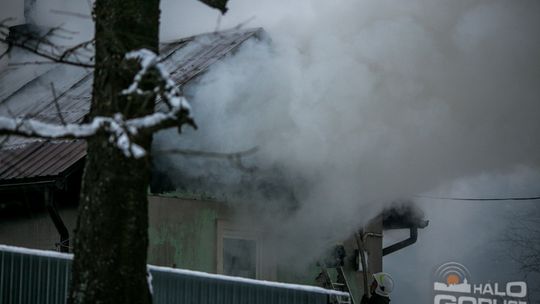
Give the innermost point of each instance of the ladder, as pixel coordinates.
(341, 299)
(340, 284)
(343, 285)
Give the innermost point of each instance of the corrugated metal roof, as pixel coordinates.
(31, 96)
(40, 159)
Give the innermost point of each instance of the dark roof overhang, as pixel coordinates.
(40, 163)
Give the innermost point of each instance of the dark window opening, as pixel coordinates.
(239, 258)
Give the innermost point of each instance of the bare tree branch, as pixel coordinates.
(57, 106)
(72, 50)
(522, 240)
(53, 58)
(43, 47)
(8, 49)
(235, 158)
(200, 153)
(71, 14)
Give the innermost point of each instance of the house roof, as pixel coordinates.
(26, 91)
(40, 159)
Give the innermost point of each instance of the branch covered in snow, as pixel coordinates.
(165, 88)
(120, 130)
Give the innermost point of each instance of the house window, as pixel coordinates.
(238, 251)
(240, 257)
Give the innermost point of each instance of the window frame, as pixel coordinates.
(228, 230)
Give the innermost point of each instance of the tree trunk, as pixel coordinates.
(112, 229)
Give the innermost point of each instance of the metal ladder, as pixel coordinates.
(341, 299)
(343, 285)
(340, 285)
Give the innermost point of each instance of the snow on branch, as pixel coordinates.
(165, 87)
(147, 59)
(120, 130)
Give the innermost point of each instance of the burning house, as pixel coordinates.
(40, 183)
(45, 175)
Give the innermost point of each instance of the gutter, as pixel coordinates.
(15, 185)
(413, 237)
(57, 221)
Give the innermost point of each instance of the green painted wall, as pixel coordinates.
(183, 233)
(304, 276)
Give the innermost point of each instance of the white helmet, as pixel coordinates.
(385, 284)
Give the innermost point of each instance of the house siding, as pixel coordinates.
(183, 233)
(36, 230)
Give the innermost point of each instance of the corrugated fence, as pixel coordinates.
(36, 276)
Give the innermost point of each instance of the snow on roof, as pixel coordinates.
(25, 91)
(192, 273)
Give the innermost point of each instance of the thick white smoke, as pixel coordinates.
(358, 103)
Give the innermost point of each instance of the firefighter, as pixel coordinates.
(380, 290)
